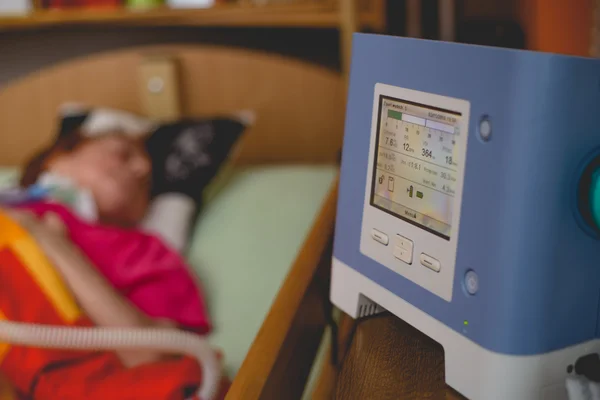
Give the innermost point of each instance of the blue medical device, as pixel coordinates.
(469, 206)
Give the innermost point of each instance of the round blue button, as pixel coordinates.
(485, 128)
(471, 282)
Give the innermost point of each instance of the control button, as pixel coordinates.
(380, 237)
(471, 282)
(485, 128)
(405, 243)
(430, 262)
(403, 255)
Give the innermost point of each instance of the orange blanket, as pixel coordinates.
(32, 291)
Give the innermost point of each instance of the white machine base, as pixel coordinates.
(475, 372)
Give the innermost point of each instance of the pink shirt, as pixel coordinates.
(141, 267)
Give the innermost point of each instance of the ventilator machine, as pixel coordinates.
(469, 207)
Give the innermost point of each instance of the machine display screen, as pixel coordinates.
(416, 163)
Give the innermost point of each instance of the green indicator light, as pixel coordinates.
(465, 322)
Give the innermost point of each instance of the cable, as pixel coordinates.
(580, 388)
(95, 339)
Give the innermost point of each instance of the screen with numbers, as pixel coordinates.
(416, 163)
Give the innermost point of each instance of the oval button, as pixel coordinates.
(430, 262)
(471, 282)
(380, 237)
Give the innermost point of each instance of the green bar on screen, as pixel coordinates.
(395, 114)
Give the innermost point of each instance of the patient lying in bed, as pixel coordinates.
(119, 275)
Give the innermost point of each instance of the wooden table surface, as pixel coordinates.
(384, 358)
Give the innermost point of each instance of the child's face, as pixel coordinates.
(116, 170)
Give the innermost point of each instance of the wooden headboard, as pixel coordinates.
(299, 106)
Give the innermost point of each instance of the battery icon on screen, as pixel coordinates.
(419, 194)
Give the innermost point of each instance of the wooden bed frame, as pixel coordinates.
(299, 109)
(299, 106)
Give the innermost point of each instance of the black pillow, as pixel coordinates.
(187, 154)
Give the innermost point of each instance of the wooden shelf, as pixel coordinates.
(227, 15)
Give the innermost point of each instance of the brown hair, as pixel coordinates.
(37, 164)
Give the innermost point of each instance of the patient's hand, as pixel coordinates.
(49, 231)
(50, 234)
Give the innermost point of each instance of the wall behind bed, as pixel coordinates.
(24, 52)
(291, 83)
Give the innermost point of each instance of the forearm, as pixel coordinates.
(100, 301)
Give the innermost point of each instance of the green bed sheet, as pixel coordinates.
(245, 241)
